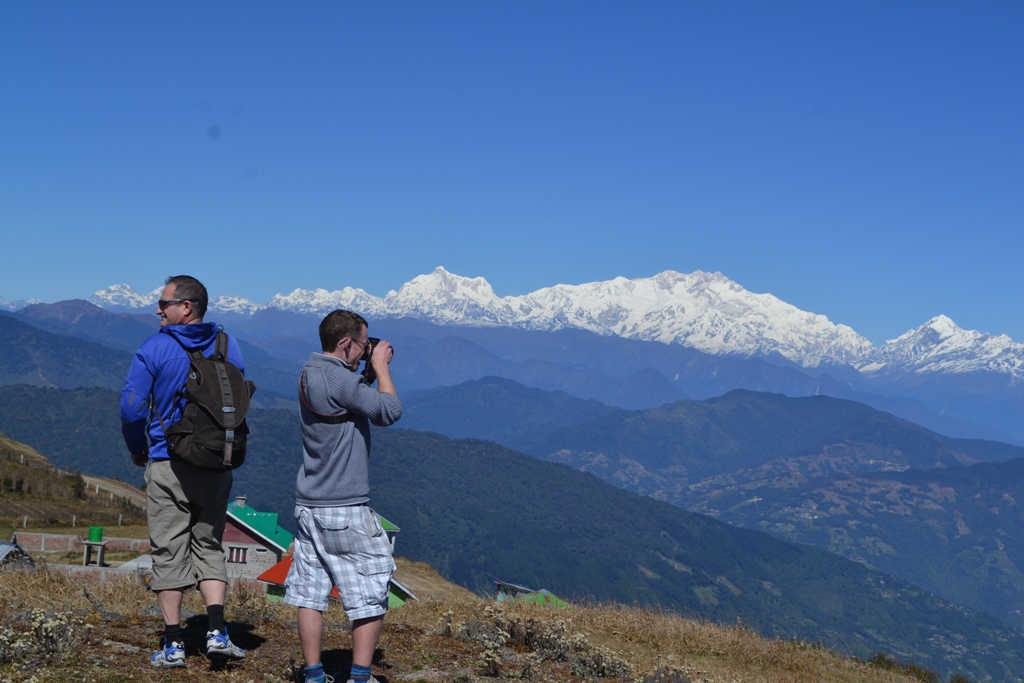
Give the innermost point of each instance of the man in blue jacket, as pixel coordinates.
(186, 507)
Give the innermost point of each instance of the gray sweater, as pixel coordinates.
(336, 450)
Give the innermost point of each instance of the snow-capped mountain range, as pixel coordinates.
(705, 311)
(16, 305)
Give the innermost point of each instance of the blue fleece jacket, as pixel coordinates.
(157, 373)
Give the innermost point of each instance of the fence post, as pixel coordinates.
(24, 522)
(74, 520)
(119, 520)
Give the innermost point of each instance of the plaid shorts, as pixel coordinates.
(344, 547)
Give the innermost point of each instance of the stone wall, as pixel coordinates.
(65, 543)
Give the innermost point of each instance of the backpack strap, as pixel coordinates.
(229, 397)
(336, 418)
(220, 352)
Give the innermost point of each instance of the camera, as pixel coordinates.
(369, 374)
(371, 344)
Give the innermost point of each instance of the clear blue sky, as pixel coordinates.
(863, 160)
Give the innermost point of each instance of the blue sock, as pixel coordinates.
(360, 674)
(315, 674)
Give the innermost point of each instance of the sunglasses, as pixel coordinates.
(164, 303)
(367, 346)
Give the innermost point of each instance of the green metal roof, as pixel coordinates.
(263, 523)
(542, 597)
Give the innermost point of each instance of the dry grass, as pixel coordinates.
(448, 635)
(30, 487)
(734, 653)
(648, 641)
(15, 451)
(27, 590)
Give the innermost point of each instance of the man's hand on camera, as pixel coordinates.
(140, 459)
(382, 354)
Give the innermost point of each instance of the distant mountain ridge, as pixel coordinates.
(704, 311)
(833, 473)
(36, 357)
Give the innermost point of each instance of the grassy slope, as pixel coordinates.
(447, 635)
(31, 488)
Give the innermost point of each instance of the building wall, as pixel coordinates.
(57, 543)
(247, 557)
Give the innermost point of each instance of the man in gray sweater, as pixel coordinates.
(340, 541)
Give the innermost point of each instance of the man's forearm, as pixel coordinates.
(385, 385)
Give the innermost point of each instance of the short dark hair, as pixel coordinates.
(337, 325)
(187, 287)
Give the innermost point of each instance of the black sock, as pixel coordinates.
(172, 634)
(216, 615)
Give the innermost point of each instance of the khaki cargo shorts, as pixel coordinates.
(186, 508)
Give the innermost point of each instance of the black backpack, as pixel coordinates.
(212, 431)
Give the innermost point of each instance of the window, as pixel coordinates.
(237, 555)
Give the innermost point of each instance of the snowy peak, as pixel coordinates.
(233, 304)
(320, 301)
(941, 346)
(122, 298)
(125, 299)
(706, 311)
(936, 334)
(441, 283)
(943, 326)
(442, 297)
(16, 305)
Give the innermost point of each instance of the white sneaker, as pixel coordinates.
(218, 645)
(328, 678)
(172, 656)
